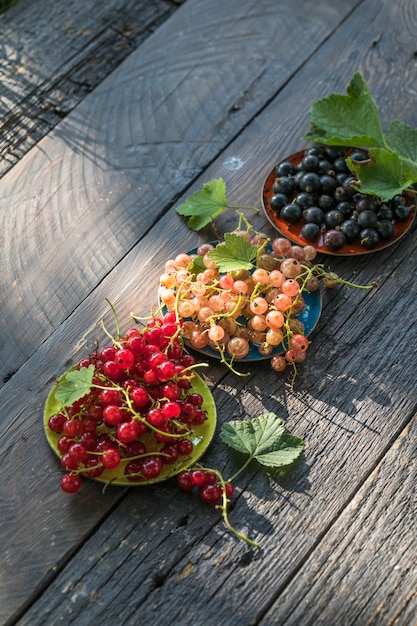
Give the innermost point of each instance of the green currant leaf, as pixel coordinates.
(403, 140)
(264, 439)
(235, 254)
(197, 266)
(205, 205)
(351, 120)
(74, 385)
(385, 174)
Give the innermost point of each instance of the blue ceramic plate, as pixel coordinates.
(309, 316)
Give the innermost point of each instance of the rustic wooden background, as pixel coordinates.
(87, 209)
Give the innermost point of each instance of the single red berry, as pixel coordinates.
(139, 396)
(165, 371)
(95, 468)
(135, 448)
(68, 462)
(185, 481)
(172, 452)
(56, 422)
(112, 370)
(78, 452)
(111, 459)
(229, 489)
(210, 493)
(112, 415)
(73, 428)
(71, 483)
(196, 399)
(64, 444)
(127, 431)
(185, 446)
(171, 410)
(198, 477)
(110, 396)
(107, 353)
(151, 466)
(155, 417)
(124, 358)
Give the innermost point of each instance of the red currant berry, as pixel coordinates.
(73, 428)
(110, 396)
(171, 391)
(135, 448)
(112, 415)
(71, 483)
(165, 371)
(171, 410)
(210, 493)
(185, 481)
(68, 462)
(136, 344)
(229, 488)
(151, 466)
(196, 399)
(140, 397)
(78, 452)
(155, 417)
(124, 358)
(95, 469)
(171, 451)
(112, 370)
(56, 422)
(198, 477)
(64, 444)
(132, 471)
(127, 431)
(185, 446)
(111, 459)
(107, 353)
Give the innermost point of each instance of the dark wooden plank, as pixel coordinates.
(82, 197)
(349, 409)
(52, 55)
(364, 570)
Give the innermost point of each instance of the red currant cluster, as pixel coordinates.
(211, 489)
(141, 411)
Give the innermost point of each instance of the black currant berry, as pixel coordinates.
(310, 232)
(334, 240)
(369, 237)
(313, 215)
(351, 230)
(291, 213)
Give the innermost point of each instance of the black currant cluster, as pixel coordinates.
(319, 194)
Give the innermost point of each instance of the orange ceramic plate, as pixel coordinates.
(293, 231)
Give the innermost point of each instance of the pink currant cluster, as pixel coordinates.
(236, 312)
(140, 413)
(206, 481)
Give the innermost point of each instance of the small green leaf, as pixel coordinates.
(205, 205)
(384, 175)
(264, 439)
(235, 254)
(403, 140)
(197, 266)
(74, 385)
(351, 120)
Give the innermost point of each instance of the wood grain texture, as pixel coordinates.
(364, 570)
(88, 192)
(53, 54)
(158, 552)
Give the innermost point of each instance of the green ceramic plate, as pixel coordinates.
(201, 438)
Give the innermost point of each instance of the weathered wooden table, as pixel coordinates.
(92, 173)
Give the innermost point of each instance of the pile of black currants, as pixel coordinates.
(320, 195)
